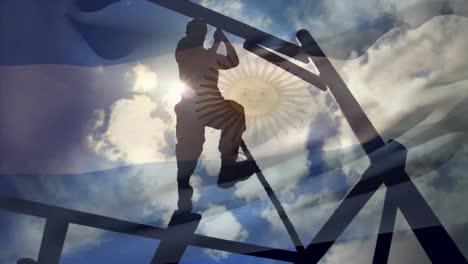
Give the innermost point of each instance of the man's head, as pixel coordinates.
(196, 30)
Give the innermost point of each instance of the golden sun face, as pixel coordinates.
(257, 97)
(274, 100)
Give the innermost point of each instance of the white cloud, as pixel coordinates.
(133, 133)
(354, 252)
(397, 85)
(145, 79)
(413, 76)
(282, 174)
(338, 16)
(81, 238)
(218, 222)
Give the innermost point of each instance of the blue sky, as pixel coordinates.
(88, 123)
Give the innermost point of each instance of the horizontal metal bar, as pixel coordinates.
(233, 26)
(121, 226)
(243, 248)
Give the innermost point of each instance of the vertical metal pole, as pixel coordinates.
(53, 239)
(387, 225)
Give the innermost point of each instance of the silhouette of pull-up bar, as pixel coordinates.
(232, 26)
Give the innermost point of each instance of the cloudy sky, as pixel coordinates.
(87, 122)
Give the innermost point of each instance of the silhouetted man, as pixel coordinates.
(202, 105)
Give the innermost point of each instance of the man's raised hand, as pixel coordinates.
(219, 36)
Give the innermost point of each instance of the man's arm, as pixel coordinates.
(231, 59)
(215, 46)
(182, 45)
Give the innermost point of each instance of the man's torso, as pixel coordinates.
(198, 70)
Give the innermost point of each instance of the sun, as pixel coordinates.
(274, 100)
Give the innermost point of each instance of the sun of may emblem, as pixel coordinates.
(274, 100)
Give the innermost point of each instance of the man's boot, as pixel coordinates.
(234, 172)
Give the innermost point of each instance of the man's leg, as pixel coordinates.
(231, 137)
(190, 135)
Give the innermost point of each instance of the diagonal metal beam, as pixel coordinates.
(279, 208)
(431, 234)
(403, 194)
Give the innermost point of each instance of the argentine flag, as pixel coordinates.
(87, 122)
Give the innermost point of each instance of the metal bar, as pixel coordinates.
(235, 27)
(343, 215)
(53, 239)
(243, 248)
(285, 65)
(182, 226)
(121, 226)
(387, 225)
(431, 234)
(389, 162)
(277, 204)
